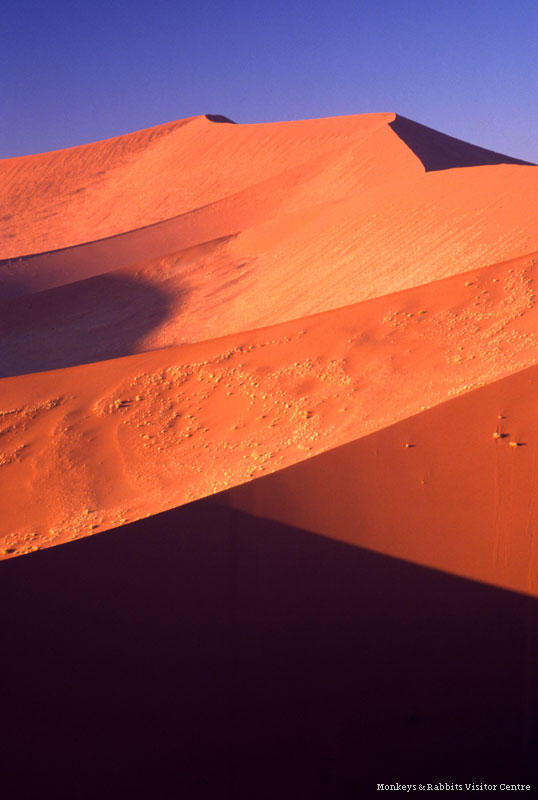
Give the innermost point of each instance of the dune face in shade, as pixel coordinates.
(206, 653)
(438, 151)
(190, 307)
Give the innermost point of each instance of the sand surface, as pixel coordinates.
(194, 306)
(268, 462)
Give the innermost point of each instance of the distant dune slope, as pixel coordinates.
(317, 215)
(191, 306)
(72, 196)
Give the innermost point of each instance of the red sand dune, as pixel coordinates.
(221, 301)
(314, 346)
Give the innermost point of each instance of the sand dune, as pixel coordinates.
(344, 200)
(280, 380)
(192, 306)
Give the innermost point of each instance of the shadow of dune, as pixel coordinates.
(91, 320)
(12, 285)
(437, 151)
(219, 118)
(204, 653)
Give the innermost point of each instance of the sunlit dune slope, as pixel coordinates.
(86, 448)
(98, 190)
(312, 215)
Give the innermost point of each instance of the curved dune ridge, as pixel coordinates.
(286, 315)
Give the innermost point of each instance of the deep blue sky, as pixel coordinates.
(73, 72)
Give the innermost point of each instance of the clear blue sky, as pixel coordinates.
(80, 70)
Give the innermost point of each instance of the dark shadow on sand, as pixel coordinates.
(437, 151)
(204, 653)
(92, 320)
(219, 118)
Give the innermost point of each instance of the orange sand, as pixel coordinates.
(196, 305)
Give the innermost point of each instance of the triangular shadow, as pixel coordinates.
(437, 151)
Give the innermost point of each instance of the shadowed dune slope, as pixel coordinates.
(92, 320)
(205, 653)
(438, 151)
